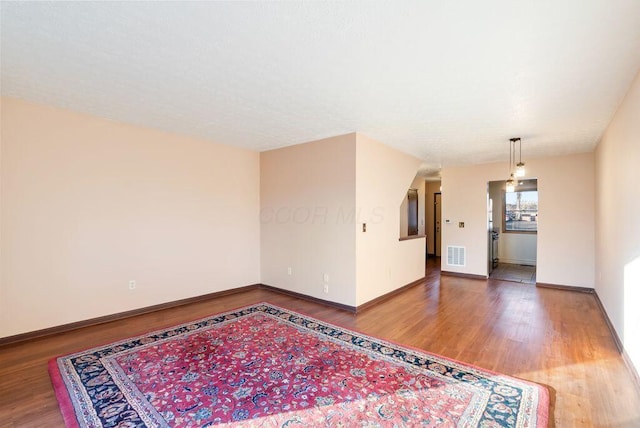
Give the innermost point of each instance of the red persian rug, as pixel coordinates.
(263, 365)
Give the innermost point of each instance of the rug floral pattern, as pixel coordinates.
(267, 366)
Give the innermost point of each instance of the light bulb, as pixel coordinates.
(520, 170)
(511, 186)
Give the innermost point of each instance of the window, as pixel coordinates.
(521, 211)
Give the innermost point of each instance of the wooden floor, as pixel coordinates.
(553, 337)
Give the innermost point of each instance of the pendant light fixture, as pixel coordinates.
(520, 171)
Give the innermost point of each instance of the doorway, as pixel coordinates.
(512, 231)
(437, 231)
(433, 214)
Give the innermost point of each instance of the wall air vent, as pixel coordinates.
(456, 256)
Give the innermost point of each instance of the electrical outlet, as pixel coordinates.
(289, 271)
(461, 224)
(132, 284)
(325, 277)
(326, 288)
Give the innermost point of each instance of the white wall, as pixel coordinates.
(618, 221)
(518, 248)
(308, 212)
(383, 263)
(89, 204)
(565, 237)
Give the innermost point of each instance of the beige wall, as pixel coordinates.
(383, 263)
(565, 254)
(315, 198)
(308, 214)
(3, 293)
(618, 221)
(89, 204)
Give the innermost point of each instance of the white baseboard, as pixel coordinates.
(518, 262)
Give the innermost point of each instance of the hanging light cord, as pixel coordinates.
(511, 157)
(520, 141)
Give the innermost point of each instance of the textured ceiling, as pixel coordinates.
(448, 82)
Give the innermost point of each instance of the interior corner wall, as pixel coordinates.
(383, 262)
(617, 221)
(89, 204)
(308, 214)
(566, 222)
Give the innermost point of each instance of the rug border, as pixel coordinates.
(65, 403)
(68, 412)
(542, 412)
(62, 395)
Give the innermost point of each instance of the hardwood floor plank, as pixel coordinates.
(554, 337)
